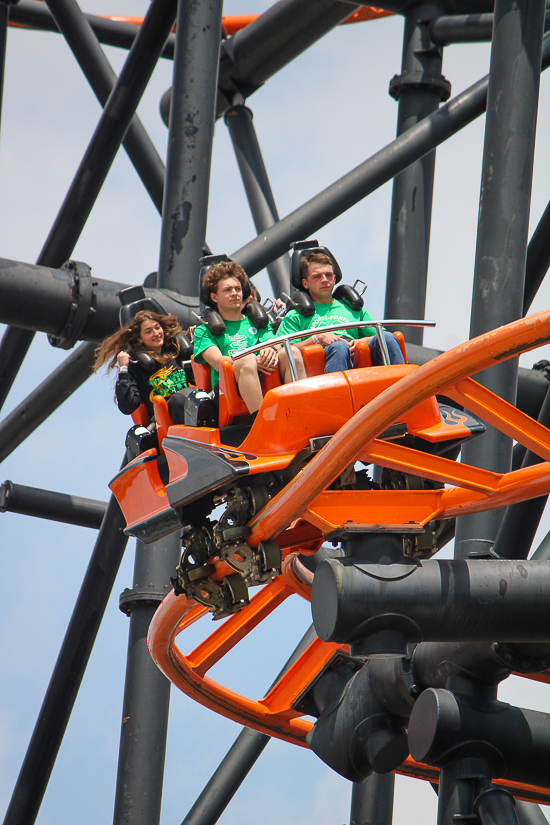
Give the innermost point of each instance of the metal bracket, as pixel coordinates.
(152, 594)
(81, 305)
(420, 80)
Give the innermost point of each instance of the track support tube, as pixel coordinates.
(420, 88)
(499, 274)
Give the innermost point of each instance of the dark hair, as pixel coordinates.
(313, 258)
(126, 338)
(217, 272)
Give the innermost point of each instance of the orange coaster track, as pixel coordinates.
(299, 515)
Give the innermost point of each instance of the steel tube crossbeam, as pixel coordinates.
(32, 501)
(110, 32)
(370, 175)
(272, 41)
(40, 298)
(115, 119)
(69, 669)
(462, 28)
(466, 28)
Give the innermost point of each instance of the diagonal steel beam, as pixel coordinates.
(141, 151)
(110, 32)
(69, 669)
(369, 175)
(115, 119)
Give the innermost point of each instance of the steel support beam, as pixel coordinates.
(238, 762)
(68, 304)
(115, 120)
(4, 15)
(32, 501)
(190, 137)
(69, 670)
(499, 273)
(257, 52)
(101, 77)
(139, 147)
(419, 88)
(465, 28)
(146, 691)
(45, 399)
(372, 800)
(461, 28)
(520, 521)
(110, 32)
(257, 187)
(538, 259)
(369, 175)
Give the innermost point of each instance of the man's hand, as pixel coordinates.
(123, 359)
(267, 360)
(326, 338)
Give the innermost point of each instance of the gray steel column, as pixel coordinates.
(257, 187)
(190, 138)
(146, 690)
(419, 89)
(503, 225)
(372, 800)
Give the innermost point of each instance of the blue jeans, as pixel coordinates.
(338, 356)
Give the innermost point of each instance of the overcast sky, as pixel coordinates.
(316, 120)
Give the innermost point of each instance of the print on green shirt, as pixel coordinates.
(326, 314)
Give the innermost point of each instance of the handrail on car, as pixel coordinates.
(291, 336)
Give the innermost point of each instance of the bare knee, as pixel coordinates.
(245, 366)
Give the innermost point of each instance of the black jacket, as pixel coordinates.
(133, 387)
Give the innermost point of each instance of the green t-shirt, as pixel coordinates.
(238, 335)
(326, 314)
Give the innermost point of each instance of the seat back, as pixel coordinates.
(141, 416)
(401, 341)
(162, 418)
(202, 376)
(231, 405)
(314, 359)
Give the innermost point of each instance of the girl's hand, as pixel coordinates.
(123, 359)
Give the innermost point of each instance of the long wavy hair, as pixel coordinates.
(127, 337)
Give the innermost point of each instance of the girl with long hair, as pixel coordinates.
(146, 351)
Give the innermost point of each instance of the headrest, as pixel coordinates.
(299, 248)
(134, 300)
(206, 262)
